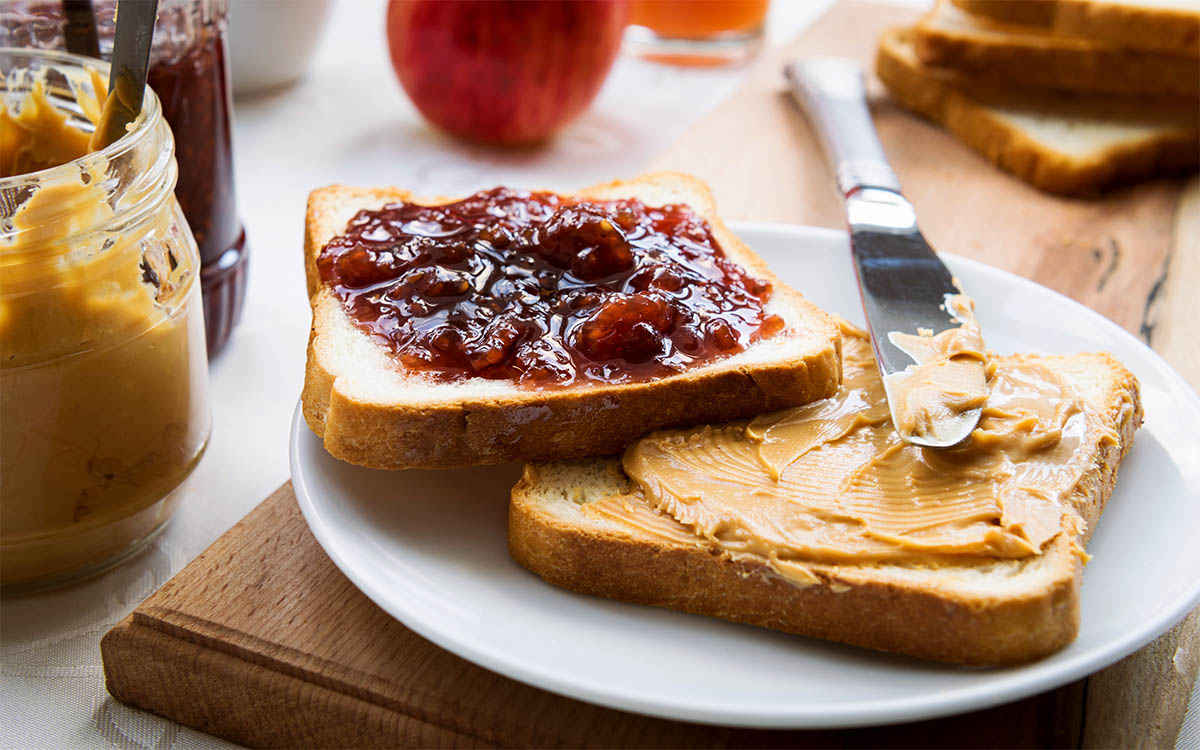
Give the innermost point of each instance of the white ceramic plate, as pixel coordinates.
(429, 548)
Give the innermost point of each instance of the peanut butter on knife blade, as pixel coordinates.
(928, 398)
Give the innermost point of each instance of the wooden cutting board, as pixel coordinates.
(262, 641)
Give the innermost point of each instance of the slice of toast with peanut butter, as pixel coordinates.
(818, 521)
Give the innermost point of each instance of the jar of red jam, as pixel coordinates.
(189, 71)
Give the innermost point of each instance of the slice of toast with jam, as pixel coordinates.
(519, 326)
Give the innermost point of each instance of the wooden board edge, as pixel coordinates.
(1166, 670)
(251, 705)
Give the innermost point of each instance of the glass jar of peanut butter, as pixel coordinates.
(103, 374)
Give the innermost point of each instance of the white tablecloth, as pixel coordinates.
(348, 121)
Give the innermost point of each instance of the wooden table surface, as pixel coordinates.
(263, 641)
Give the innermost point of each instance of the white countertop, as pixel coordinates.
(347, 121)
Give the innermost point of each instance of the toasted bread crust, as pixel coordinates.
(1170, 30)
(883, 615)
(935, 95)
(563, 424)
(549, 424)
(1006, 54)
(850, 605)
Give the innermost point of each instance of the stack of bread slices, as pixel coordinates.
(1072, 96)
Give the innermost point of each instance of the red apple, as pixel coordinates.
(503, 71)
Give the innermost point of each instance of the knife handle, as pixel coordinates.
(831, 92)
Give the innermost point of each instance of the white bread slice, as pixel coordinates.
(1027, 56)
(1061, 144)
(983, 612)
(373, 413)
(1170, 26)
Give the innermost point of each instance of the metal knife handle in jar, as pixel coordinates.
(831, 92)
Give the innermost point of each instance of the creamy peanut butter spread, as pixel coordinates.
(39, 136)
(831, 482)
(929, 397)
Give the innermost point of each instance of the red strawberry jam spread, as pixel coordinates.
(545, 290)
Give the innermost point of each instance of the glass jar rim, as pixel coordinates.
(144, 125)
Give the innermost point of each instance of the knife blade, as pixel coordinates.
(127, 73)
(912, 303)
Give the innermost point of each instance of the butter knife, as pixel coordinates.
(127, 73)
(909, 296)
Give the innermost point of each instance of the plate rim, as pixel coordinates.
(1010, 684)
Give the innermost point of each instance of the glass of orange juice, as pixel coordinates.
(696, 32)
